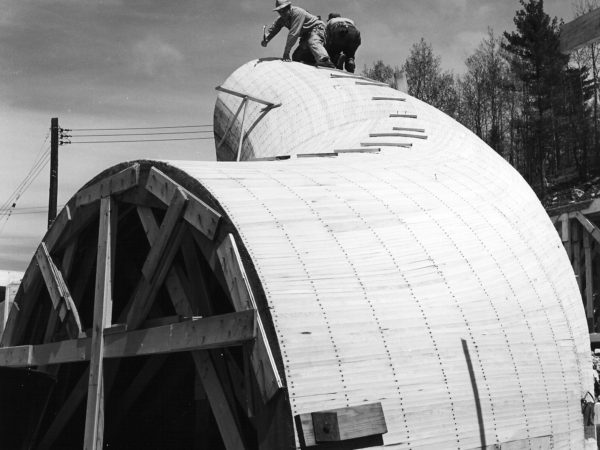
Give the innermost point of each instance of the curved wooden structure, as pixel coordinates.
(414, 296)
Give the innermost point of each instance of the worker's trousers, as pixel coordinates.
(311, 48)
(343, 38)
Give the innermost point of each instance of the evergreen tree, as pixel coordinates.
(537, 62)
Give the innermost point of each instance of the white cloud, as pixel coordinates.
(153, 56)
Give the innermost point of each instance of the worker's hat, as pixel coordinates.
(280, 4)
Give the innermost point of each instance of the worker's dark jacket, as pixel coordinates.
(342, 36)
(300, 23)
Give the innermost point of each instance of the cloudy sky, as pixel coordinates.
(151, 63)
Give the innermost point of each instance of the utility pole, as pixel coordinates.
(53, 196)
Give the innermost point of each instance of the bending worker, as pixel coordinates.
(303, 25)
(343, 38)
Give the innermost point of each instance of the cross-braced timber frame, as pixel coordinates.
(577, 226)
(136, 265)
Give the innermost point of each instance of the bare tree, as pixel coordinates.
(426, 80)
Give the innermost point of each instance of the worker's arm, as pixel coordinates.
(295, 31)
(272, 31)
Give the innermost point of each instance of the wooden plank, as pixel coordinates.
(405, 116)
(94, 418)
(119, 182)
(416, 130)
(231, 122)
(589, 279)
(588, 225)
(20, 311)
(224, 414)
(241, 142)
(576, 243)
(371, 83)
(139, 196)
(60, 224)
(158, 262)
(582, 31)
(82, 217)
(198, 214)
(226, 420)
(386, 144)
(242, 298)
(406, 135)
(199, 296)
(59, 292)
(225, 330)
(352, 422)
(249, 97)
(316, 155)
(566, 235)
(174, 212)
(49, 274)
(398, 99)
(357, 150)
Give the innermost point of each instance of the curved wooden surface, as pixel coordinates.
(427, 278)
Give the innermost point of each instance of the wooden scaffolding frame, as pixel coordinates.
(576, 225)
(183, 243)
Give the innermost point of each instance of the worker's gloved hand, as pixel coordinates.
(264, 42)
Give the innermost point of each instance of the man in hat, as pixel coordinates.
(343, 38)
(304, 26)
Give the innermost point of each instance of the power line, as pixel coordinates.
(137, 128)
(138, 134)
(28, 210)
(141, 140)
(31, 175)
(23, 186)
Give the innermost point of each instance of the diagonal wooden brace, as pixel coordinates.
(261, 358)
(158, 261)
(59, 292)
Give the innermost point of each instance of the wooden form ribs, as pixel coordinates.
(187, 218)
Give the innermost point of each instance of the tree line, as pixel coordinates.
(536, 107)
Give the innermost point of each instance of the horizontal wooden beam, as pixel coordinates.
(198, 214)
(336, 425)
(224, 330)
(580, 32)
(119, 182)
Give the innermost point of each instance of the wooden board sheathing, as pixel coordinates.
(329, 251)
(331, 112)
(375, 269)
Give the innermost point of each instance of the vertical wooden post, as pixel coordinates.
(589, 282)
(53, 194)
(239, 152)
(576, 248)
(566, 233)
(94, 419)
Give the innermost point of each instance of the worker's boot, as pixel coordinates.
(350, 65)
(325, 62)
